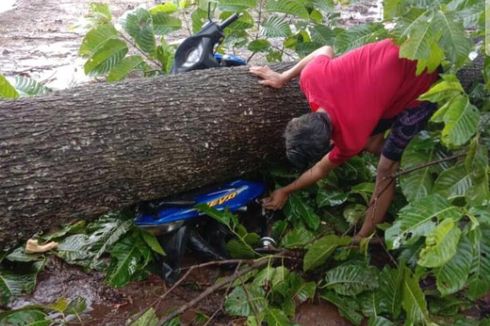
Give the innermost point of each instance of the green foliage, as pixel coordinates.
(139, 25)
(243, 243)
(29, 87)
(321, 249)
(413, 301)
(57, 313)
(85, 249)
(440, 244)
(148, 318)
(297, 210)
(351, 280)
(126, 66)
(419, 218)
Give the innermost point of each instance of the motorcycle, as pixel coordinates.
(176, 222)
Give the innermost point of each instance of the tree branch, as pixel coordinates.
(254, 264)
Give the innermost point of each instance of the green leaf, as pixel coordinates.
(126, 66)
(129, 256)
(259, 45)
(24, 317)
(164, 23)
(418, 219)
(86, 249)
(99, 13)
(353, 213)
(106, 57)
(270, 276)
(321, 249)
(149, 318)
(139, 24)
(355, 36)
(298, 237)
(380, 321)
(166, 8)
(389, 293)
(330, 198)
(452, 277)
(454, 41)
(30, 87)
(238, 249)
(276, 317)
(96, 38)
(76, 307)
(13, 284)
(413, 301)
(453, 182)
(292, 7)
(461, 122)
(447, 88)
(418, 184)
(275, 26)
(479, 278)
(351, 280)
(440, 245)
(71, 228)
(224, 217)
(418, 34)
(245, 301)
(296, 209)
(19, 255)
(363, 189)
(6, 89)
(444, 90)
(236, 5)
(391, 9)
(165, 55)
(347, 307)
(152, 242)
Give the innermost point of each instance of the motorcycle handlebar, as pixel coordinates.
(229, 20)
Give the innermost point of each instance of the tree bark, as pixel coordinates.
(91, 149)
(82, 152)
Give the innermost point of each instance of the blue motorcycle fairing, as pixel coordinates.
(232, 196)
(236, 60)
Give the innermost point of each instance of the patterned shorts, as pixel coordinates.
(403, 128)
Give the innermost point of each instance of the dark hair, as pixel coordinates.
(308, 139)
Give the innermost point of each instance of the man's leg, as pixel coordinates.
(375, 144)
(406, 126)
(384, 191)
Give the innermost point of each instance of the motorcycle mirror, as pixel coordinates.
(209, 12)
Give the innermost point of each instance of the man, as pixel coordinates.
(354, 99)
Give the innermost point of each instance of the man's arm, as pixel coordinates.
(278, 80)
(320, 170)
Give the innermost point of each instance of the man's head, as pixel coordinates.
(308, 139)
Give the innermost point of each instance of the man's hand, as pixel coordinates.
(269, 76)
(276, 200)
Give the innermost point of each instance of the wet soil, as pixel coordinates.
(320, 314)
(109, 306)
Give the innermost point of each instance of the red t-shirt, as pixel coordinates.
(359, 88)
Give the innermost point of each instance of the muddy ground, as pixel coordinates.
(40, 38)
(113, 307)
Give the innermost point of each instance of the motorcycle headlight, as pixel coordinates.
(193, 57)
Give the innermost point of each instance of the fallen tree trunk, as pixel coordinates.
(91, 149)
(95, 148)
